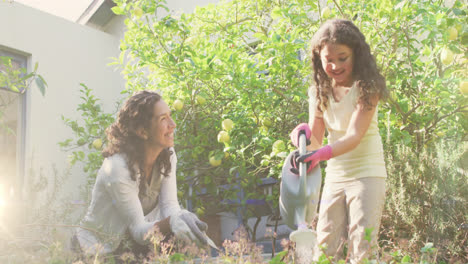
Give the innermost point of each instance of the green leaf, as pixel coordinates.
(40, 84)
(164, 7)
(406, 259)
(368, 233)
(427, 248)
(65, 143)
(117, 10)
(207, 180)
(177, 257)
(459, 12)
(283, 154)
(276, 13)
(14, 88)
(277, 259)
(232, 170)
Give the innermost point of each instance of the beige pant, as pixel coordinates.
(346, 210)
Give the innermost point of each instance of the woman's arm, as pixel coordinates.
(124, 194)
(169, 203)
(358, 125)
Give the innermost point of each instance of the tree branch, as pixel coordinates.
(339, 9)
(438, 119)
(405, 116)
(319, 11)
(382, 39)
(408, 50)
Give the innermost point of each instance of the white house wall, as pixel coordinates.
(68, 54)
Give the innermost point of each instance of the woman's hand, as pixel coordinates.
(186, 226)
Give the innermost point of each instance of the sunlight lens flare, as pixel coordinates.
(2, 200)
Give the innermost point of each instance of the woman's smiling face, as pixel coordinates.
(337, 61)
(161, 129)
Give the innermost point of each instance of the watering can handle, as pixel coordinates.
(302, 165)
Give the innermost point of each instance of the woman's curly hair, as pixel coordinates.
(136, 112)
(365, 72)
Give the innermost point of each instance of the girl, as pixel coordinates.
(135, 189)
(344, 100)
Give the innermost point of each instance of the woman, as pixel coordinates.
(135, 190)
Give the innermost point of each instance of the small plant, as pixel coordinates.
(17, 81)
(429, 254)
(241, 249)
(88, 134)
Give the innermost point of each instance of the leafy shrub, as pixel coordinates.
(88, 134)
(428, 199)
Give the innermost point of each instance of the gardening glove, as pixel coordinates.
(186, 226)
(295, 164)
(315, 157)
(301, 128)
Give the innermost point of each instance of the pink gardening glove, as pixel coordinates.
(294, 164)
(315, 157)
(296, 132)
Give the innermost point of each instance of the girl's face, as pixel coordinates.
(337, 61)
(161, 130)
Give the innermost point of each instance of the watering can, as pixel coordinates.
(299, 197)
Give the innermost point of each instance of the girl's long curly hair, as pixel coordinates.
(136, 112)
(365, 72)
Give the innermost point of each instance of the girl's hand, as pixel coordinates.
(314, 157)
(304, 128)
(295, 164)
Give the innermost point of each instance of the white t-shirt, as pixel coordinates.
(367, 159)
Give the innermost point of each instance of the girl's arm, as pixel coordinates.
(360, 121)
(317, 127)
(358, 125)
(316, 123)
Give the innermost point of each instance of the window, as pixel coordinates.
(12, 124)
